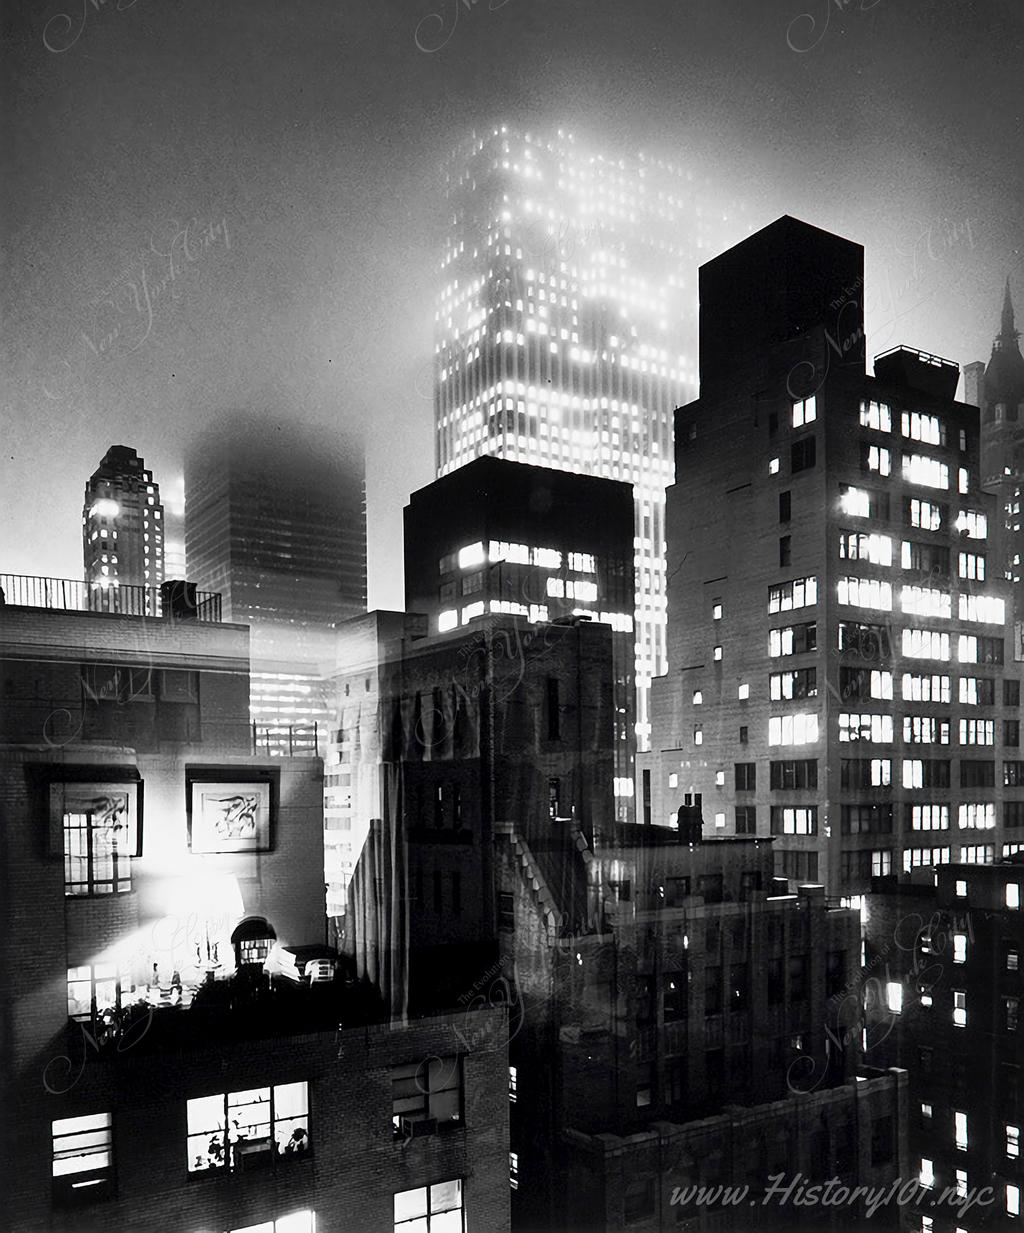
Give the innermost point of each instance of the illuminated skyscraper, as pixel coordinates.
(566, 327)
(122, 529)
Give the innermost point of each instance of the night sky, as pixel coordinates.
(273, 168)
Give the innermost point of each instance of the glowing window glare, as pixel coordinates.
(804, 412)
(865, 593)
(925, 471)
(926, 602)
(471, 611)
(801, 729)
(447, 620)
(894, 1003)
(471, 556)
(985, 609)
(856, 503)
(104, 508)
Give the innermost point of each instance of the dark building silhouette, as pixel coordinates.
(277, 526)
(122, 532)
(998, 389)
(841, 671)
(181, 1048)
(497, 538)
(944, 998)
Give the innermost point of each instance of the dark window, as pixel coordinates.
(799, 866)
(990, 650)
(506, 910)
(426, 1095)
(710, 886)
(446, 596)
(674, 996)
(802, 454)
(746, 819)
(1013, 813)
(744, 734)
(746, 776)
(794, 819)
(713, 990)
(835, 972)
(785, 550)
(1011, 1009)
(785, 506)
(1011, 693)
(797, 967)
(739, 994)
(438, 894)
(456, 893)
(930, 559)
(773, 970)
(870, 642)
(750, 880)
(977, 774)
(1011, 733)
(773, 423)
(881, 1140)
(554, 802)
(638, 1204)
(645, 781)
(1013, 774)
(439, 805)
(553, 709)
(866, 819)
(794, 774)
(863, 773)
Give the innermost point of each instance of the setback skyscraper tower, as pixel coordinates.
(566, 324)
(840, 672)
(122, 531)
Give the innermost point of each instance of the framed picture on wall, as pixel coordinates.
(230, 817)
(110, 810)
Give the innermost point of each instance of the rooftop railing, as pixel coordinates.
(122, 599)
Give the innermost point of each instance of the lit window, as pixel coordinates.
(1012, 1199)
(926, 602)
(894, 997)
(986, 609)
(719, 820)
(800, 593)
(773, 466)
(719, 779)
(925, 471)
(698, 697)
(960, 1131)
(959, 1008)
(698, 736)
(875, 415)
(96, 850)
(237, 1130)
(959, 947)
(716, 610)
(513, 1174)
(972, 523)
(855, 503)
(296, 1222)
(743, 692)
(961, 889)
(1013, 896)
(1013, 1141)
(430, 1209)
(82, 1157)
(716, 654)
(801, 729)
(471, 556)
(866, 727)
(926, 1110)
(673, 779)
(927, 1172)
(513, 1084)
(447, 620)
(864, 593)
(926, 428)
(804, 412)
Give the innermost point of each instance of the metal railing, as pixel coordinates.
(73, 595)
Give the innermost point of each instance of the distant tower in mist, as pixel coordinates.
(122, 526)
(998, 389)
(566, 326)
(277, 525)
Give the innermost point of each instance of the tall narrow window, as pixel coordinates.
(554, 798)
(553, 710)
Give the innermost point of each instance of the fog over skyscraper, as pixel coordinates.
(566, 325)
